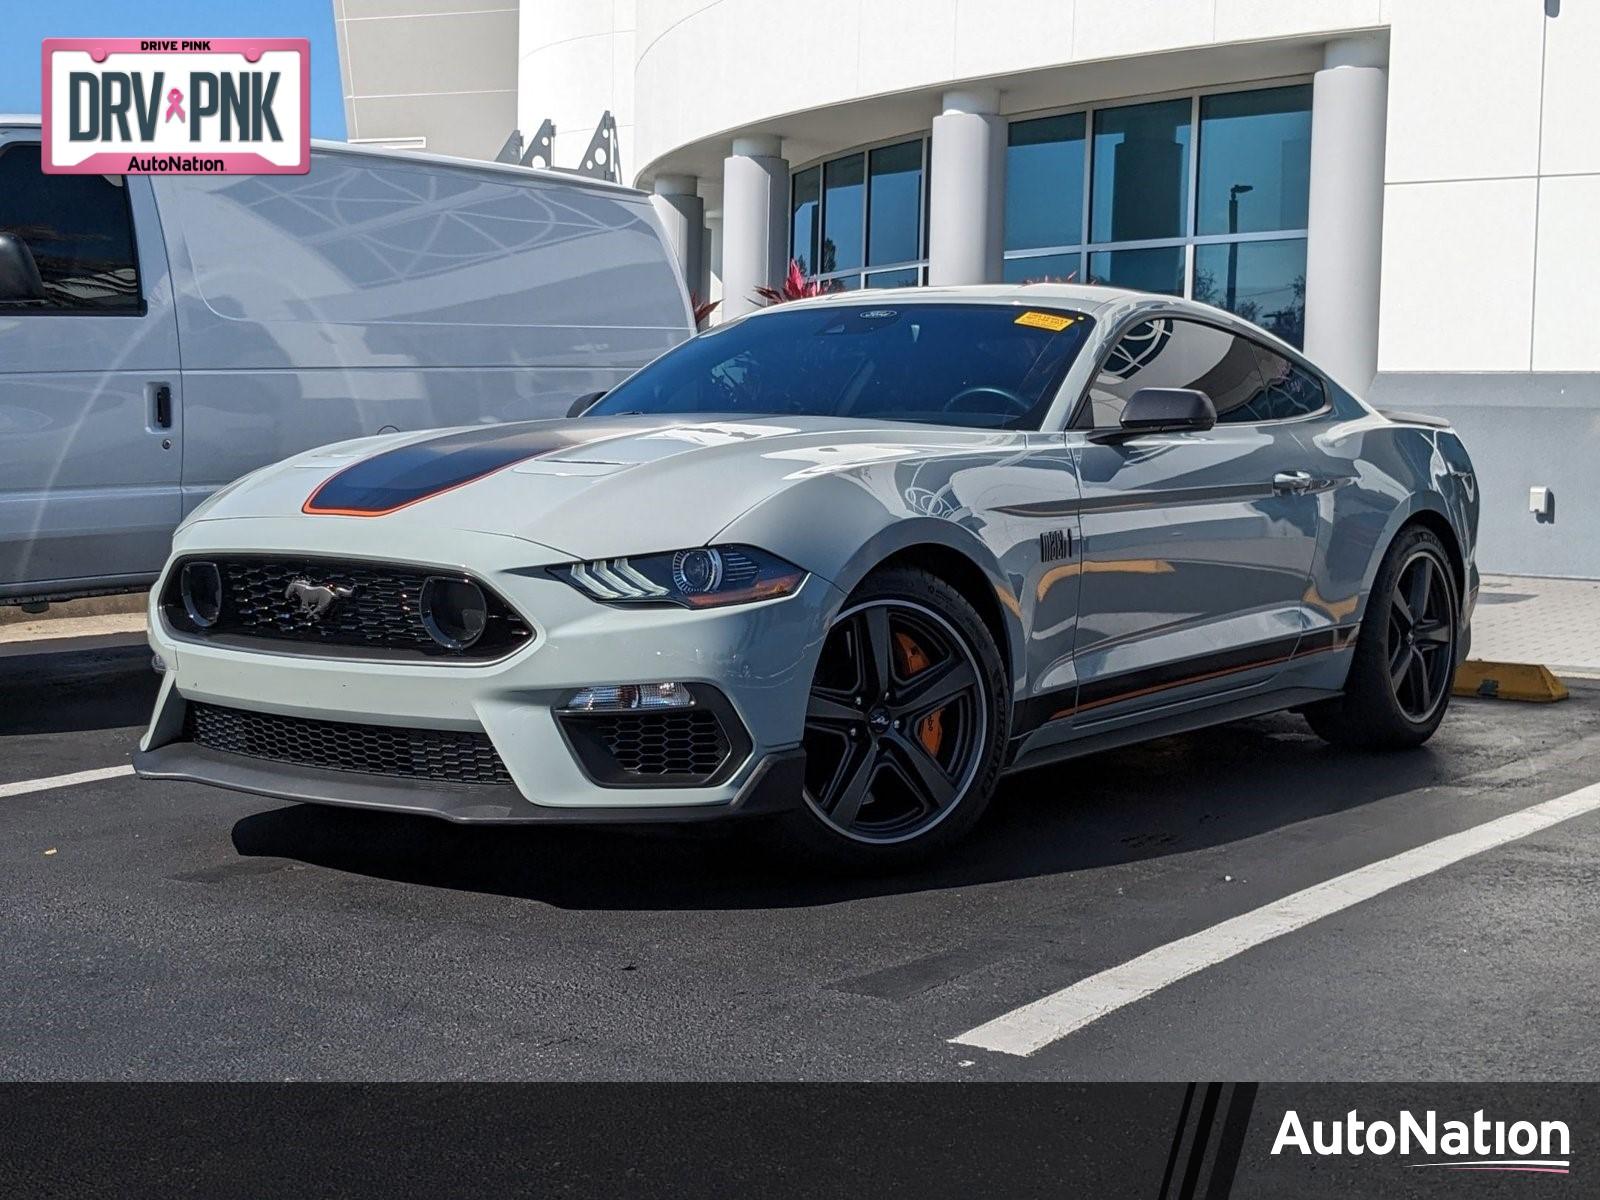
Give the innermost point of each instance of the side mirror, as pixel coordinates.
(1168, 410)
(19, 274)
(584, 403)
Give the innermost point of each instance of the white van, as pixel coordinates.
(160, 336)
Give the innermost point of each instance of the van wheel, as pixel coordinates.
(1405, 656)
(906, 725)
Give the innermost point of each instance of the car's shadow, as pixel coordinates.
(1165, 797)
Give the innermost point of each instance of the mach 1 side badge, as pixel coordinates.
(164, 106)
(316, 598)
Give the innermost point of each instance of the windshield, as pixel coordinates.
(982, 366)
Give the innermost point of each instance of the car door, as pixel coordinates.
(1197, 546)
(90, 404)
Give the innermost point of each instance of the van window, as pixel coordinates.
(80, 232)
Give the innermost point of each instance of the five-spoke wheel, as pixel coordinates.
(1421, 636)
(903, 721)
(1405, 657)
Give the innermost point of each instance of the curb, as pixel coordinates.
(89, 606)
(1528, 682)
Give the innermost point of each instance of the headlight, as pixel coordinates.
(704, 577)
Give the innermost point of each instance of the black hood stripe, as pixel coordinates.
(407, 474)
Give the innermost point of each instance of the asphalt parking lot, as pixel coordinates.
(169, 931)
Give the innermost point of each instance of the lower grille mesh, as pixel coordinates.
(449, 756)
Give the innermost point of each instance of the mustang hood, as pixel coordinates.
(584, 488)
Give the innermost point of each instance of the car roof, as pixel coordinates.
(1108, 305)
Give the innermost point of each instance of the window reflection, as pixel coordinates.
(1141, 172)
(805, 207)
(1044, 182)
(1159, 269)
(1255, 160)
(1045, 268)
(896, 192)
(1264, 282)
(842, 182)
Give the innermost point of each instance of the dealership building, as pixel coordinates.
(1409, 189)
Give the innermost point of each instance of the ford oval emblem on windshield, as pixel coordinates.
(877, 314)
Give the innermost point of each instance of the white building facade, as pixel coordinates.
(1410, 189)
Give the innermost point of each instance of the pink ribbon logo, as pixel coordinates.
(175, 105)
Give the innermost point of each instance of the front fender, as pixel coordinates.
(842, 526)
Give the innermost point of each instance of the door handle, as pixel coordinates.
(1292, 481)
(163, 405)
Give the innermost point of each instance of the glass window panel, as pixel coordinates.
(892, 203)
(1164, 353)
(804, 205)
(1044, 182)
(1155, 270)
(1255, 160)
(844, 283)
(78, 230)
(904, 277)
(1045, 268)
(1264, 282)
(1141, 172)
(843, 182)
(1292, 391)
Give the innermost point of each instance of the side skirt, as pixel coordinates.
(1255, 705)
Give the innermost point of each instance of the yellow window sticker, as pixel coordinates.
(1043, 320)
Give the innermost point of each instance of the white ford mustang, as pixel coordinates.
(841, 562)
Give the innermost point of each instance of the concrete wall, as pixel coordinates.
(441, 70)
(1490, 297)
(575, 60)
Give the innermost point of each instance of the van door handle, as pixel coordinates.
(1292, 481)
(163, 405)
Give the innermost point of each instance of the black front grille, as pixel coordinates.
(445, 755)
(381, 610)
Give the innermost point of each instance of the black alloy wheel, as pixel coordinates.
(1421, 636)
(898, 723)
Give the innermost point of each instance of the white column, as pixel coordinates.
(1344, 254)
(966, 207)
(683, 216)
(755, 209)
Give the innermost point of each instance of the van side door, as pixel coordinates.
(90, 403)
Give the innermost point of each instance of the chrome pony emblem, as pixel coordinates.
(316, 598)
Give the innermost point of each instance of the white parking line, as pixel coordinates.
(1034, 1026)
(61, 781)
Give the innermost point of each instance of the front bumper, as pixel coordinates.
(759, 657)
(773, 786)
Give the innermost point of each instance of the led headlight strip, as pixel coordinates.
(701, 577)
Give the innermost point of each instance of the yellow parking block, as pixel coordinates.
(1509, 681)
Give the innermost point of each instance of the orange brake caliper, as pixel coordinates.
(913, 661)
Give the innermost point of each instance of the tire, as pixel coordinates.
(898, 769)
(1404, 664)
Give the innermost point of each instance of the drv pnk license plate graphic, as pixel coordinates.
(166, 106)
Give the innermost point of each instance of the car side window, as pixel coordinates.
(78, 231)
(1292, 391)
(1167, 352)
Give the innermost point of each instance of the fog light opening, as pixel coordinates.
(629, 697)
(455, 612)
(200, 584)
